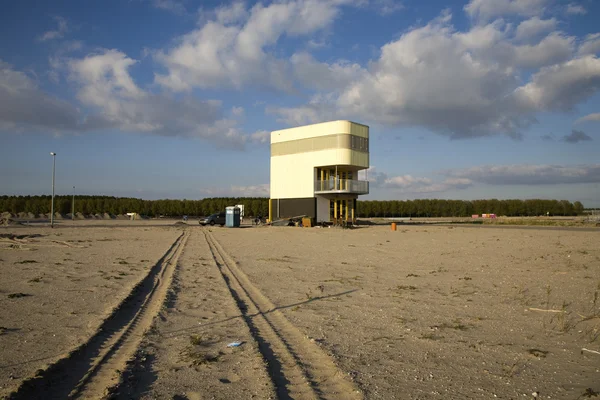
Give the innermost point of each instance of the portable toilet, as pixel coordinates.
(232, 217)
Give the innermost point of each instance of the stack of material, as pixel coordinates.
(5, 221)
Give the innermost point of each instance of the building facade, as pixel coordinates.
(314, 171)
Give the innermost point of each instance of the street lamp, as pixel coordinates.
(53, 169)
(73, 206)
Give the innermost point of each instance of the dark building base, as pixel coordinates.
(287, 208)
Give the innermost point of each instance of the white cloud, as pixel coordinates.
(252, 190)
(260, 190)
(313, 74)
(58, 33)
(553, 49)
(231, 14)
(457, 83)
(530, 29)
(237, 111)
(561, 87)
(112, 100)
(233, 49)
(458, 179)
(411, 184)
(305, 114)
(590, 45)
(576, 136)
(488, 9)
(261, 137)
(523, 174)
(316, 44)
(176, 7)
(388, 7)
(429, 77)
(24, 105)
(589, 117)
(576, 9)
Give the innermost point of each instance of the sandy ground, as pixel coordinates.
(423, 312)
(57, 285)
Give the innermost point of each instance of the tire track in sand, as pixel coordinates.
(298, 368)
(95, 367)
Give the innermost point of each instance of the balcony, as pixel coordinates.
(349, 186)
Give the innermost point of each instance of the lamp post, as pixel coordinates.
(53, 169)
(73, 206)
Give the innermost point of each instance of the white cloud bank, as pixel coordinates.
(112, 100)
(523, 174)
(493, 78)
(24, 104)
(231, 49)
(457, 179)
(462, 84)
(589, 117)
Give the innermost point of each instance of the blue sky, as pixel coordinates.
(176, 98)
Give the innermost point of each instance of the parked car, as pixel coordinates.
(214, 219)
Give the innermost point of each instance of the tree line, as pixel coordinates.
(260, 206)
(122, 205)
(466, 208)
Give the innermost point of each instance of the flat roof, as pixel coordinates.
(320, 123)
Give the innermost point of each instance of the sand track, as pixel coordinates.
(298, 368)
(91, 370)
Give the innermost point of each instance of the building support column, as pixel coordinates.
(270, 210)
(335, 211)
(346, 207)
(322, 176)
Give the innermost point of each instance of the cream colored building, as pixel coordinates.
(314, 171)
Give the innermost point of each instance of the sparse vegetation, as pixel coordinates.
(537, 353)
(406, 287)
(589, 393)
(196, 340)
(273, 259)
(17, 295)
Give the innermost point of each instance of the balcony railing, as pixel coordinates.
(342, 186)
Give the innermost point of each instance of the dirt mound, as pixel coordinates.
(121, 217)
(58, 215)
(6, 215)
(107, 216)
(79, 215)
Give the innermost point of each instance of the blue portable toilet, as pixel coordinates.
(232, 217)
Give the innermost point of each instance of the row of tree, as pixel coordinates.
(462, 208)
(260, 206)
(121, 205)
